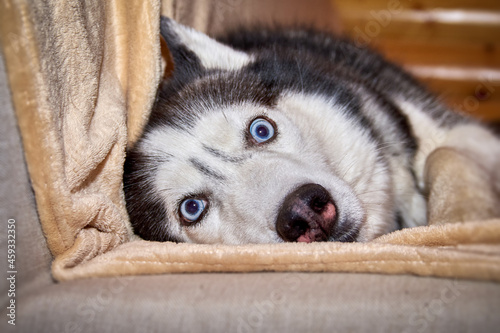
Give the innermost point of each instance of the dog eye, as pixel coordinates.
(262, 130)
(191, 210)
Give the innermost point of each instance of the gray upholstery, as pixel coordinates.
(269, 302)
(17, 201)
(256, 302)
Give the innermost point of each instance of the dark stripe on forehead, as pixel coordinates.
(213, 91)
(206, 170)
(347, 89)
(223, 156)
(294, 74)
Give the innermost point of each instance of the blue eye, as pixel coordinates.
(192, 209)
(262, 130)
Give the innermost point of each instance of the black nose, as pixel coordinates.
(308, 214)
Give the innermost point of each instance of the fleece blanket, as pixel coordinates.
(83, 76)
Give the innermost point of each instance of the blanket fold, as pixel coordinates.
(83, 76)
(442, 251)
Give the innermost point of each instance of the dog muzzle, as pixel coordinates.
(308, 214)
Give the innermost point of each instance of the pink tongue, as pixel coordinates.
(305, 238)
(329, 212)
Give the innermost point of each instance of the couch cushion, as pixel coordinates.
(17, 202)
(263, 302)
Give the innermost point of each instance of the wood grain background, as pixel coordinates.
(453, 46)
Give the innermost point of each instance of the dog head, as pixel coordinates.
(254, 147)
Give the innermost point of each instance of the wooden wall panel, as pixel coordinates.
(451, 45)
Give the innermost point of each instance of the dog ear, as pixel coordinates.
(191, 50)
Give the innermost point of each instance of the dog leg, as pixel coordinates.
(459, 188)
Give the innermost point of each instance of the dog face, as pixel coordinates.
(231, 158)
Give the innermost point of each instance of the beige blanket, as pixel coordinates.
(83, 76)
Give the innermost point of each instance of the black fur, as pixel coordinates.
(147, 213)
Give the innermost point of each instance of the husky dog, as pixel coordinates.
(266, 136)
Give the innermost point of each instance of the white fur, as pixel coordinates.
(211, 53)
(244, 207)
